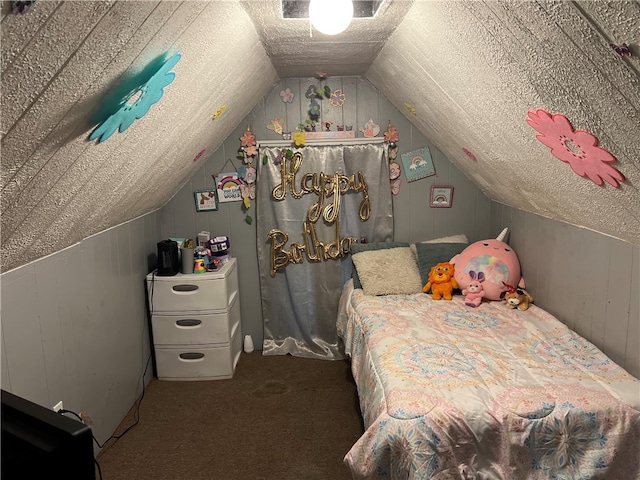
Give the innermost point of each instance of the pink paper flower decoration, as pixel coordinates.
(391, 135)
(287, 95)
(250, 151)
(248, 139)
(578, 148)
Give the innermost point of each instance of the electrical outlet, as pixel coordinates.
(58, 406)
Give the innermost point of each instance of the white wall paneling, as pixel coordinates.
(586, 279)
(75, 328)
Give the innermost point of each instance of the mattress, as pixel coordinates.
(449, 391)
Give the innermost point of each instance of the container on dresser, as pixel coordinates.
(195, 320)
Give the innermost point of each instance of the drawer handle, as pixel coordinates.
(192, 356)
(188, 323)
(185, 288)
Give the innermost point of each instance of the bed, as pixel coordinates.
(452, 392)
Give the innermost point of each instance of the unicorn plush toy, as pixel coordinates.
(496, 259)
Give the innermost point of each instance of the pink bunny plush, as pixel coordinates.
(474, 291)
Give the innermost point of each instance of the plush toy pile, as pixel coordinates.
(495, 259)
(487, 269)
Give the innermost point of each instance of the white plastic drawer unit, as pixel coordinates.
(199, 362)
(212, 328)
(194, 292)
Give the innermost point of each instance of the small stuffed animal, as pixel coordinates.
(474, 291)
(441, 281)
(516, 297)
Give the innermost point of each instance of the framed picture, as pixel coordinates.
(441, 196)
(418, 164)
(206, 200)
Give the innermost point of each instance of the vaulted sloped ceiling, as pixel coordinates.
(472, 71)
(464, 72)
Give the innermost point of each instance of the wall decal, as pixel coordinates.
(21, 7)
(394, 170)
(277, 125)
(247, 172)
(137, 103)
(623, 49)
(418, 164)
(395, 186)
(199, 154)
(441, 196)
(391, 137)
(219, 112)
(469, 154)
(578, 148)
(370, 129)
(337, 98)
(287, 95)
(410, 109)
(299, 139)
(314, 109)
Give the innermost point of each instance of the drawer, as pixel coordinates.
(184, 293)
(198, 362)
(196, 329)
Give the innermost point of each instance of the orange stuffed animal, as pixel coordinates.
(441, 281)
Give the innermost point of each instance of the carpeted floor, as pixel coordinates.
(279, 418)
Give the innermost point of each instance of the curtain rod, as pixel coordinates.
(322, 143)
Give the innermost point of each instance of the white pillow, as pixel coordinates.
(462, 238)
(388, 272)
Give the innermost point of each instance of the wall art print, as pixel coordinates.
(578, 148)
(441, 196)
(229, 187)
(418, 164)
(206, 200)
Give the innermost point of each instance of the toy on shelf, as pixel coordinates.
(441, 281)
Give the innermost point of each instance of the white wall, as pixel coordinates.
(590, 281)
(75, 328)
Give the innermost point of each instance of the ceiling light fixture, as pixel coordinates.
(330, 16)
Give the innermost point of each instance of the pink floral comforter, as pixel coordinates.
(453, 392)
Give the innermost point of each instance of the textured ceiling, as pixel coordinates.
(464, 72)
(296, 50)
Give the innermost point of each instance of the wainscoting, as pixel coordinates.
(74, 324)
(591, 282)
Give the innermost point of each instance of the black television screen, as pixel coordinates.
(40, 443)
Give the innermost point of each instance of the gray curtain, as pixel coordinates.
(300, 299)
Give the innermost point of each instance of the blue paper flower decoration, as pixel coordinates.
(314, 108)
(147, 94)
